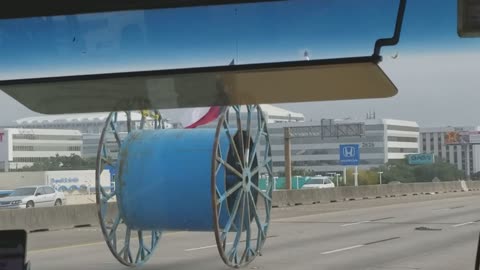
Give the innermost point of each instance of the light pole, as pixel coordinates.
(380, 176)
(355, 176)
(337, 175)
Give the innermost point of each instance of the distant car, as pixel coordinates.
(32, 196)
(319, 182)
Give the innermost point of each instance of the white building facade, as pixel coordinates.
(23, 147)
(433, 141)
(383, 140)
(86, 123)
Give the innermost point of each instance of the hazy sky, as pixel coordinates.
(435, 71)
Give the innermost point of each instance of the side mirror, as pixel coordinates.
(13, 249)
(38, 194)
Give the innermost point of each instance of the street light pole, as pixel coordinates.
(380, 176)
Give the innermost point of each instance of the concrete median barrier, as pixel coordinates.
(48, 218)
(310, 196)
(69, 216)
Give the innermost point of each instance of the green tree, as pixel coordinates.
(297, 172)
(442, 170)
(400, 170)
(57, 163)
(365, 177)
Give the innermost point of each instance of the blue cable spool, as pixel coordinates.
(193, 180)
(164, 179)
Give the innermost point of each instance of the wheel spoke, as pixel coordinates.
(254, 148)
(141, 252)
(267, 151)
(261, 234)
(247, 145)
(122, 251)
(248, 232)
(260, 166)
(261, 192)
(219, 166)
(116, 135)
(106, 196)
(113, 230)
(126, 253)
(104, 159)
(230, 192)
(233, 216)
(229, 167)
(238, 235)
(240, 134)
(232, 142)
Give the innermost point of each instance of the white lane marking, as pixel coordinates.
(463, 224)
(355, 223)
(341, 249)
(87, 244)
(205, 247)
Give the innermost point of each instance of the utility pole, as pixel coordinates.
(467, 160)
(288, 163)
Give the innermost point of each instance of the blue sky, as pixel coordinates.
(160, 39)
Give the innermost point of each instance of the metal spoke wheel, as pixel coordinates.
(238, 191)
(129, 246)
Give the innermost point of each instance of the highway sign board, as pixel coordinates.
(349, 154)
(421, 159)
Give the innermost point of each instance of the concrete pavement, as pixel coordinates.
(421, 232)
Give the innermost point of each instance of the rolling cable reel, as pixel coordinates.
(203, 179)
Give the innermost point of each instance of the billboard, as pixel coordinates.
(462, 137)
(420, 159)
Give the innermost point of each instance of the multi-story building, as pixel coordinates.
(433, 140)
(24, 147)
(86, 123)
(382, 140)
(91, 124)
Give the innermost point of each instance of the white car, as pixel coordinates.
(32, 196)
(319, 182)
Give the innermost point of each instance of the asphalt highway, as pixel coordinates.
(403, 233)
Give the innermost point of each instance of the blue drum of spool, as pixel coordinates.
(164, 179)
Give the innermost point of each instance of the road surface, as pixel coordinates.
(403, 233)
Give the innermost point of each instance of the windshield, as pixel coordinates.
(315, 181)
(242, 134)
(23, 192)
